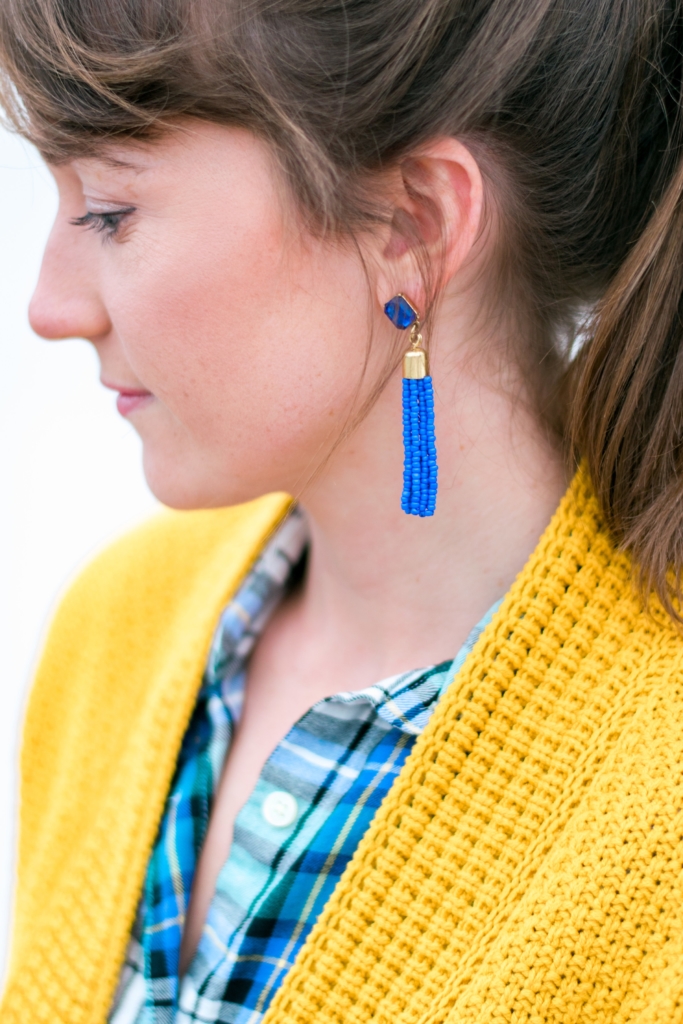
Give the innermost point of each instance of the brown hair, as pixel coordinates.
(576, 105)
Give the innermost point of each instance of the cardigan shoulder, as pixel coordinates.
(143, 586)
(143, 582)
(164, 556)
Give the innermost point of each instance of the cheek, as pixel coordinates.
(254, 350)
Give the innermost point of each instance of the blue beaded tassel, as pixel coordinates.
(419, 468)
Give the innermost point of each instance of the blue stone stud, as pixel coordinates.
(401, 312)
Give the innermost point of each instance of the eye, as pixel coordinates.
(108, 222)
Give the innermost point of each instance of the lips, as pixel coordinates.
(129, 399)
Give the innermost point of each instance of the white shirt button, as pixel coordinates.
(279, 809)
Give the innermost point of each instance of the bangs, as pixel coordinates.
(75, 76)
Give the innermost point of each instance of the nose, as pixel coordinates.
(66, 302)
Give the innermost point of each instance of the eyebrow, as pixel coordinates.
(118, 164)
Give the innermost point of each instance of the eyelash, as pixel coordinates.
(107, 223)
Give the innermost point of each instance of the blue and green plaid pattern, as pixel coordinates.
(338, 761)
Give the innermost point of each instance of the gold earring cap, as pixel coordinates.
(415, 364)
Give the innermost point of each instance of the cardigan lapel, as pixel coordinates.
(510, 871)
(122, 666)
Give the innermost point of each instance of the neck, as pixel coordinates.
(393, 592)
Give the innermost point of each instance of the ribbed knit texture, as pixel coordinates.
(526, 866)
(110, 704)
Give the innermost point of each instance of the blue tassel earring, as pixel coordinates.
(419, 467)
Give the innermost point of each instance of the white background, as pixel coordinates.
(70, 474)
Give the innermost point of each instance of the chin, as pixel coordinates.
(180, 486)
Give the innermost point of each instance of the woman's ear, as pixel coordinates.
(436, 220)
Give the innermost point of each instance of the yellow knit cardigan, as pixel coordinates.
(527, 865)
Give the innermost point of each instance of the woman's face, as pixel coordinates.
(236, 341)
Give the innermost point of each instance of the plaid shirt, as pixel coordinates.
(338, 762)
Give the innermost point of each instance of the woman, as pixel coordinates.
(430, 757)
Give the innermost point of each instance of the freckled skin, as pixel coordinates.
(215, 304)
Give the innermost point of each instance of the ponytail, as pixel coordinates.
(627, 408)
